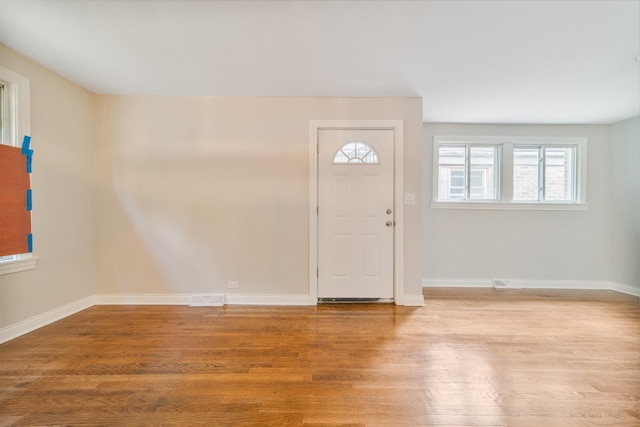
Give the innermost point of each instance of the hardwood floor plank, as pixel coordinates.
(470, 357)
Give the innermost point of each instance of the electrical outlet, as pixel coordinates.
(233, 284)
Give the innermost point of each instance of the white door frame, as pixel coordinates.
(398, 188)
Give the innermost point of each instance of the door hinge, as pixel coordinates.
(317, 272)
(317, 210)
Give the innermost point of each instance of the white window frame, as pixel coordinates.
(468, 168)
(505, 173)
(542, 173)
(356, 160)
(18, 121)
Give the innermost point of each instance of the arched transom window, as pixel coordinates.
(356, 152)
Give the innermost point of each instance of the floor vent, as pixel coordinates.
(207, 300)
(506, 284)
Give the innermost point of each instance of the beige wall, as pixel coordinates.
(197, 191)
(63, 132)
(178, 195)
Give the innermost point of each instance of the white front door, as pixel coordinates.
(355, 213)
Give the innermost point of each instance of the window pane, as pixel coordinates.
(356, 152)
(340, 157)
(559, 174)
(362, 150)
(477, 188)
(451, 173)
(457, 183)
(371, 157)
(483, 173)
(526, 164)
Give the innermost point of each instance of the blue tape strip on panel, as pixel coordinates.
(25, 145)
(27, 151)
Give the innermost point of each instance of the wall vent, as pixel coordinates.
(207, 300)
(506, 284)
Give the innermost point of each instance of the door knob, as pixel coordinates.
(389, 211)
(389, 223)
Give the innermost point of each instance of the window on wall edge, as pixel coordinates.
(510, 173)
(15, 123)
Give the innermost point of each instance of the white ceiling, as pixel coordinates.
(470, 61)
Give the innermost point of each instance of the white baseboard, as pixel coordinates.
(534, 284)
(457, 283)
(411, 300)
(229, 299)
(521, 284)
(185, 299)
(565, 284)
(625, 289)
(24, 327)
(142, 299)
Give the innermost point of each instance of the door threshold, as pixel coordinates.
(355, 300)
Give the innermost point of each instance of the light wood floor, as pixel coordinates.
(469, 357)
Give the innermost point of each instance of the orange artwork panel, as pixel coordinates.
(15, 219)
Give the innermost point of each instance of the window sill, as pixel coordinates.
(511, 206)
(8, 267)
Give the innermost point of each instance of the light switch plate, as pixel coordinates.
(409, 198)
